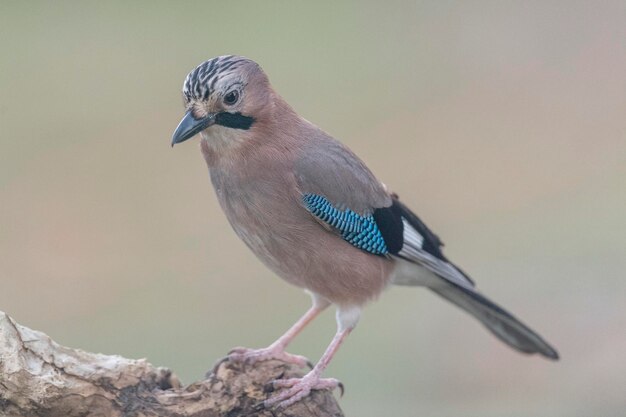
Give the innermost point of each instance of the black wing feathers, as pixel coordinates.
(432, 244)
(389, 221)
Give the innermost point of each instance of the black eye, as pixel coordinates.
(231, 98)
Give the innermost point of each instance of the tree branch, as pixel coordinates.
(39, 377)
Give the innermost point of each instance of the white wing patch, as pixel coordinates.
(412, 250)
(412, 239)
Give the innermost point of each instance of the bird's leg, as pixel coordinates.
(277, 349)
(298, 388)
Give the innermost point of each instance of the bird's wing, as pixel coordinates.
(419, 244)
(329, 169)
(343, 194)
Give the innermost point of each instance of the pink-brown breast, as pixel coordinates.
(263, 205)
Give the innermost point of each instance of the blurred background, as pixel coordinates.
(503, 124)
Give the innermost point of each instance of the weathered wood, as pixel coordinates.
(39, 377)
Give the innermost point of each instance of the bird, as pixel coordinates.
(316, 215)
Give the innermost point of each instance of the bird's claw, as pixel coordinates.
(242, 354)
(298, 388)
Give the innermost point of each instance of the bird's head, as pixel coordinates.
(225, 97)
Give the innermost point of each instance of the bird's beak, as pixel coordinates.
(190, 126)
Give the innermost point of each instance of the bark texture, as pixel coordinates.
(39, 377)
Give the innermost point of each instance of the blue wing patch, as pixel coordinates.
(360, 231)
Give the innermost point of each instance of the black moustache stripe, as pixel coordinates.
(234, 120)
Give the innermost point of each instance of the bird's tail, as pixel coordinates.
(499, 322)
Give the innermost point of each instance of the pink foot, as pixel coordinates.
(242, 354)
(298, 388)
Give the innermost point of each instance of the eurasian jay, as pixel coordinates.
(312, 212)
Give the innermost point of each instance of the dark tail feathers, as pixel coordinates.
(499, 322)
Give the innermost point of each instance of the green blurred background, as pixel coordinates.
(502, 123)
